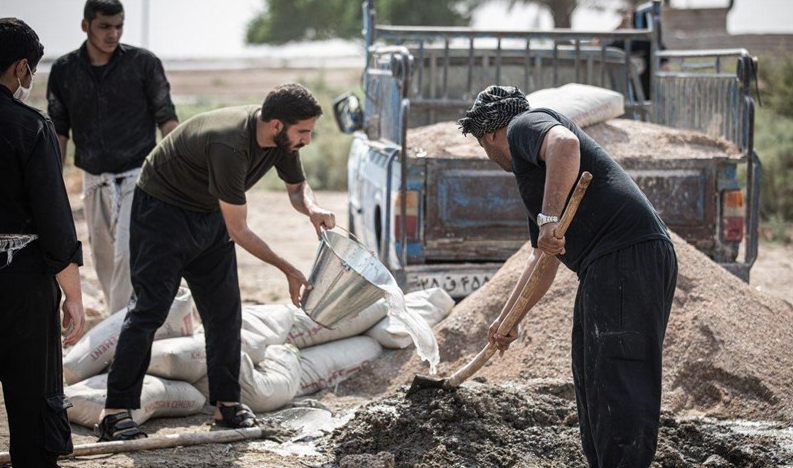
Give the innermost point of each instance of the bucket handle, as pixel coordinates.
(349, 234)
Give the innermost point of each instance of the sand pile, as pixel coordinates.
(487, 425)
(728, 350)
(621, 138)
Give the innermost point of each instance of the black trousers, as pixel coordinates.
(621, 311)
(166, 244)
(31, 362)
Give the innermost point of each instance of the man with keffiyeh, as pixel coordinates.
(622, 254)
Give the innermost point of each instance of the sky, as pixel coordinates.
(204, 29)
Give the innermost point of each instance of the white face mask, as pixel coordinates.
(23, 93)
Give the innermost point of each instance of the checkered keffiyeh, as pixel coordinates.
(493, 109)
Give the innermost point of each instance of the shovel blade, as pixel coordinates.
(423, 381)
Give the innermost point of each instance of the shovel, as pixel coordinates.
(517, 310)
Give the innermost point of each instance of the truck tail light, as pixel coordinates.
(732, 216)
(411, 218)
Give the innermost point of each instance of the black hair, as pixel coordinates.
(105, 7)
(290, 103)
(18, 41)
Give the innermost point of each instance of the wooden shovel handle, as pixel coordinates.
(517, 310)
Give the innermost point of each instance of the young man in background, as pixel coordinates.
(111, 97)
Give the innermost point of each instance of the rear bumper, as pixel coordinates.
(459, 280)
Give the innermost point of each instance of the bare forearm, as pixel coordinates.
(256, 246)
(302, 199)
(543, 284)
(69, 281)
(563, 160)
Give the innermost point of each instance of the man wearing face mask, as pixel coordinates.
(188, 212)
(39, 251)
(111, 97)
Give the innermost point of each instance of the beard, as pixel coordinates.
(283, 142)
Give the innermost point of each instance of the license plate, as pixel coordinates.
(458, 285)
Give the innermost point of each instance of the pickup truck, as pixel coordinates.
(441, 215)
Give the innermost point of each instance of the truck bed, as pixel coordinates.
(678, 170)
(621, 138)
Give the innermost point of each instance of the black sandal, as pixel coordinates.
(118, 426)
(236, 416)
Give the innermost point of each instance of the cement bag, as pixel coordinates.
(432, 305)
(92, 354)
(183, 358)
(273, 383)
(583, 104)
(272, 321)
(202, 385)
(326, 365)
(305, 332)
(253, 345)
(159, 398)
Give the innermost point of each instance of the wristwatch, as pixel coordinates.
(545, 219)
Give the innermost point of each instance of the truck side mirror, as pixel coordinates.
(348, 113)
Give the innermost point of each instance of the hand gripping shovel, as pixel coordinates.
(518, 309)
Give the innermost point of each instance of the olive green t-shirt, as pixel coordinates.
(214, 156)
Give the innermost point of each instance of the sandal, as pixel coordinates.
(236, 416)
(118, 426)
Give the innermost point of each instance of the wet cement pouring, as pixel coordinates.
(497, 425)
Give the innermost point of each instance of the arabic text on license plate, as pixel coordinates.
(456, 284)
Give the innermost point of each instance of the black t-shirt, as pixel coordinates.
(614, 212)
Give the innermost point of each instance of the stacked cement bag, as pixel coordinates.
(270, 384)
(328, 357)
(159, 398)
(306, 332)
(90, 356)
(583, 104)
(284, 354)
(326, 365)
(93, 353)
(183, 358)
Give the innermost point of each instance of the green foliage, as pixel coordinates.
(290, 20)
(776, 76)
(774, 144)
(774, 136)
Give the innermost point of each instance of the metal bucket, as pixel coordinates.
(347, 278)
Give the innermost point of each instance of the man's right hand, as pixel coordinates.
(297, 281)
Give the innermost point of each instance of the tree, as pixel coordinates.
(290, 20)
(562, 10)
(776, 75)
